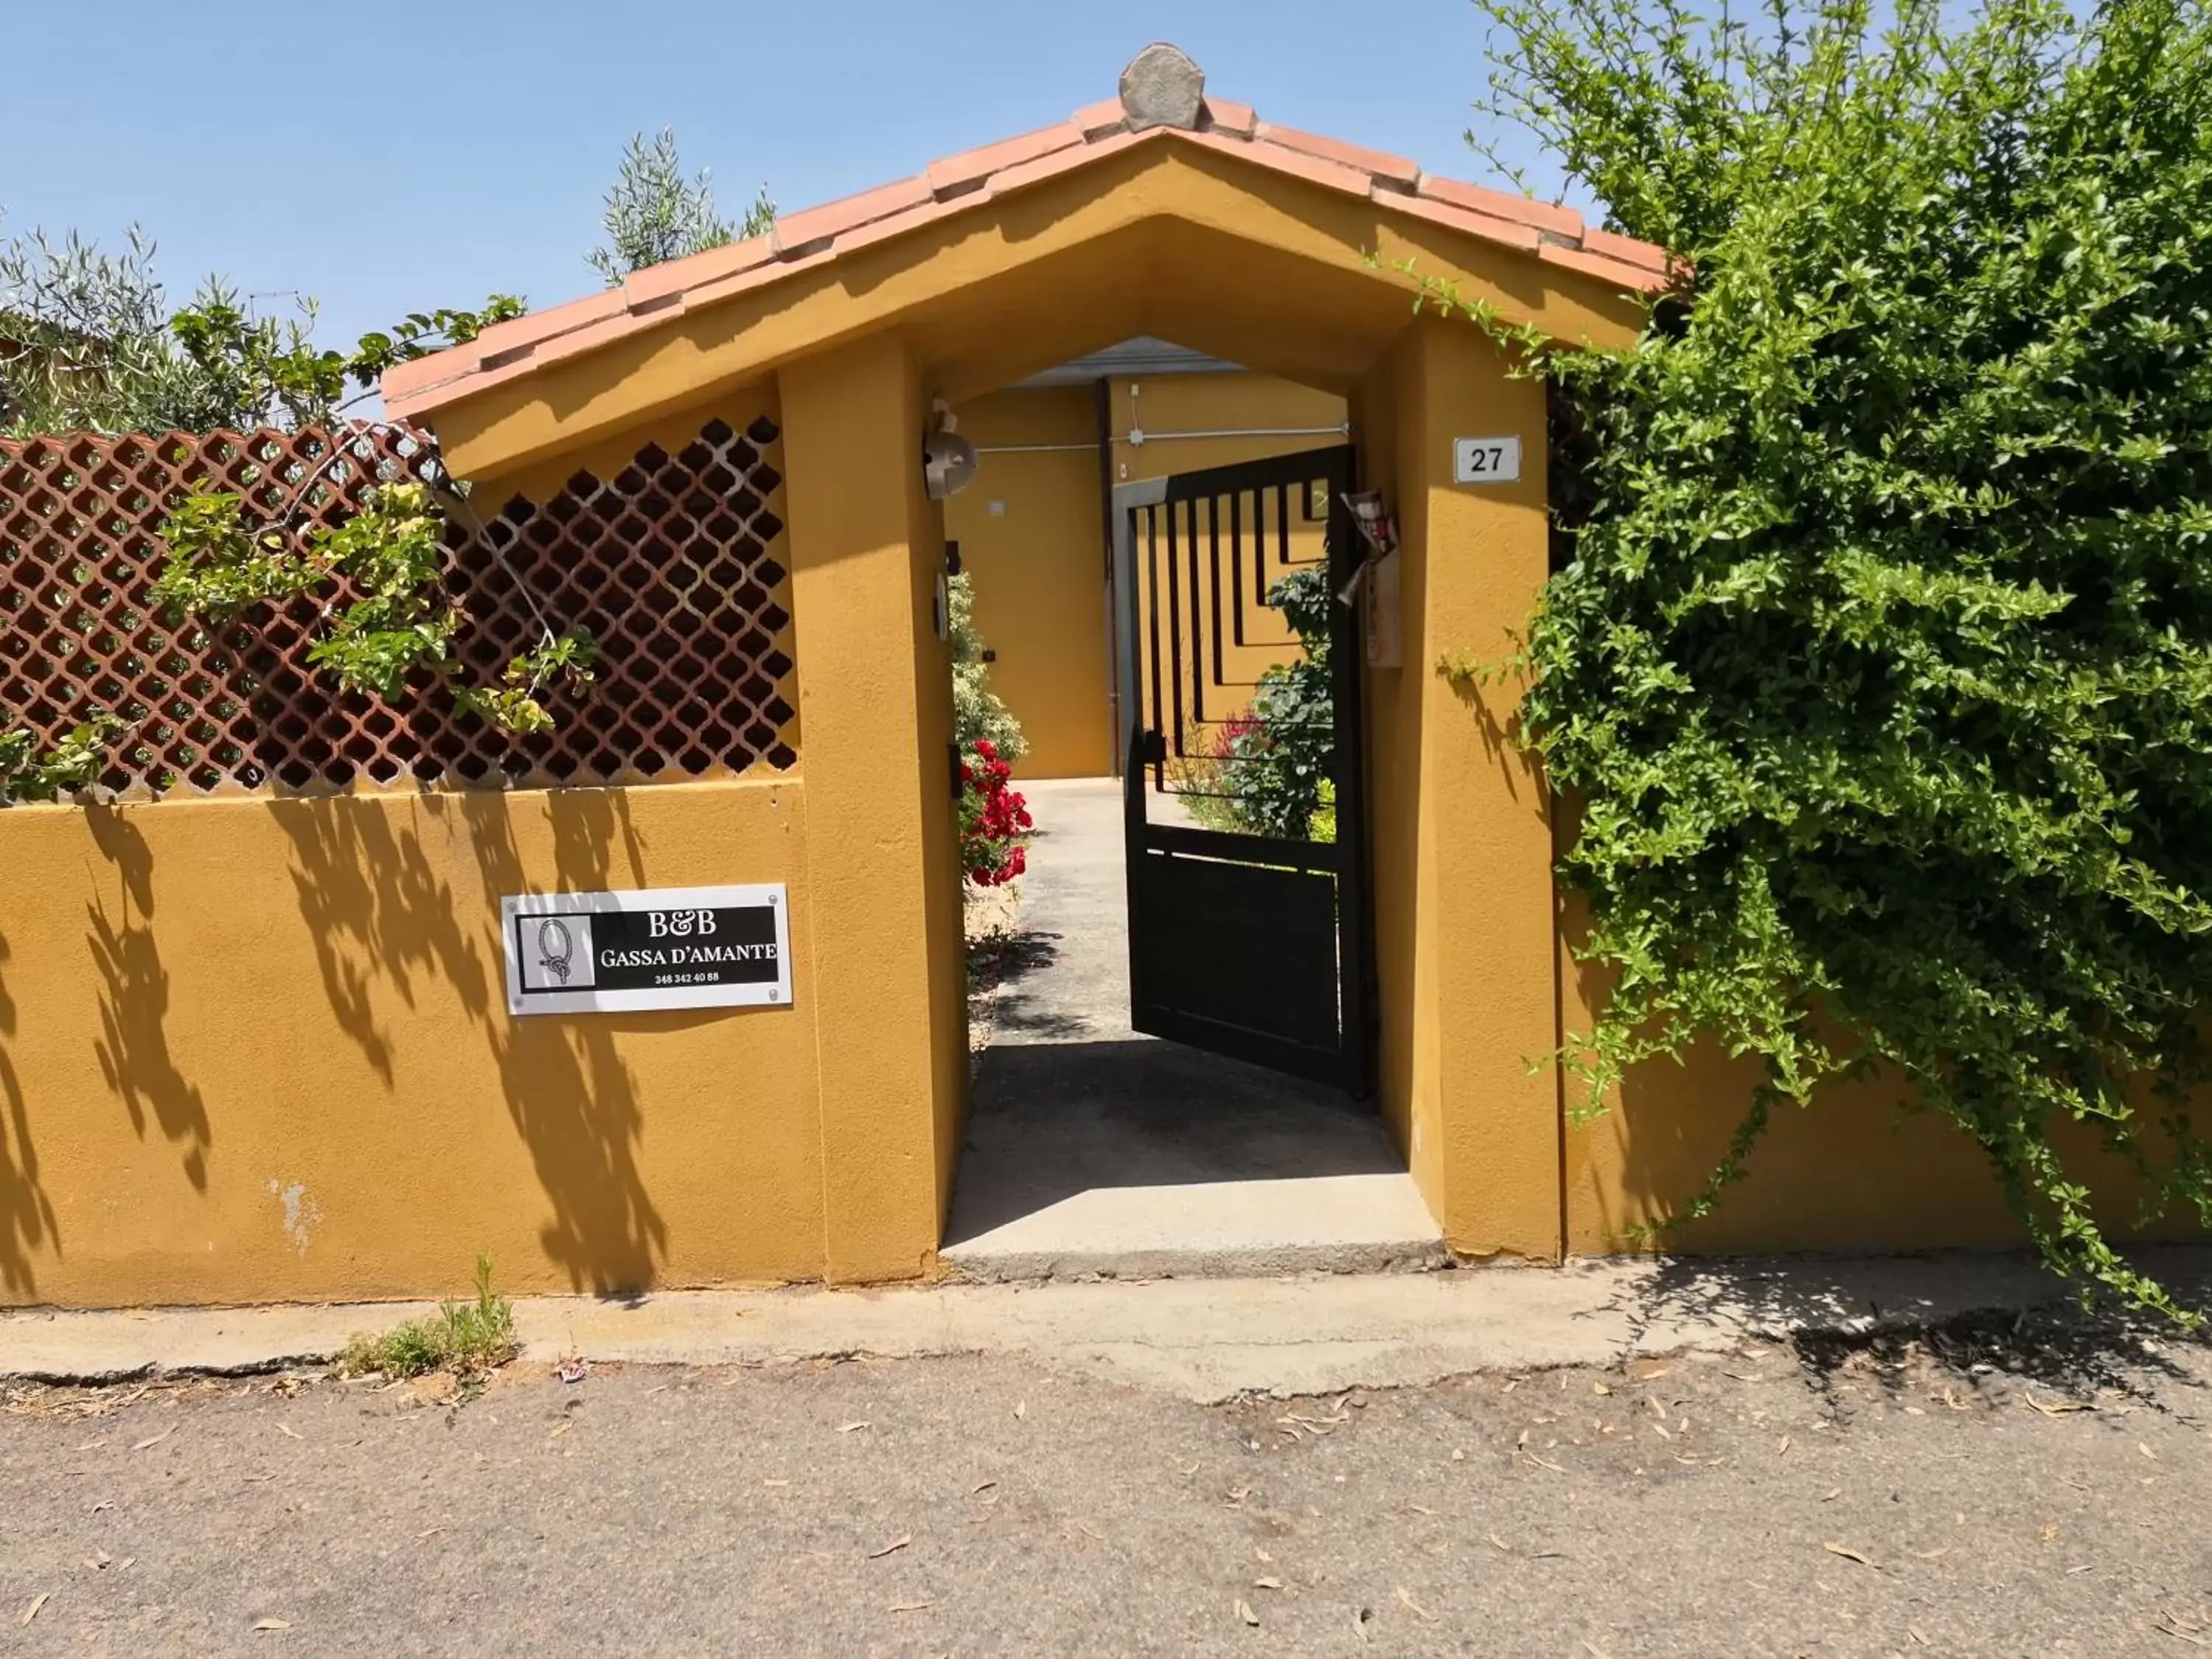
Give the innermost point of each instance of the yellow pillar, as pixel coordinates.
(1461, 833)
(875, 729)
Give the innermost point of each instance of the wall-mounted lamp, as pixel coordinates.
(948, 460)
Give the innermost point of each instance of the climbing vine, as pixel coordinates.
(396, 630)
(1879, 649)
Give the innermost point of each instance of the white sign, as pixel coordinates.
(1485, 460)
(655, 947)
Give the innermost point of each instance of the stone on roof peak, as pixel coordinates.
(1162, 87)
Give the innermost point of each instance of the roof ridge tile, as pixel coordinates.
(972, 177)
(966, 170)
(1504, 204)
(797, 233)
(1378, 164)
(1225, 115)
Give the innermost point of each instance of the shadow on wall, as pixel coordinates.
(134, 999)
(26, 1215)
(386, 925)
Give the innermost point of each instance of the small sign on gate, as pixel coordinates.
(658, 947)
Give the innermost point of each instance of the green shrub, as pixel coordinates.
(1275, 764)
(978, 715)
(1880, 647)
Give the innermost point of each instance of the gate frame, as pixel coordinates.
(1337, 466)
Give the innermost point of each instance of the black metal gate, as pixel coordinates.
(1241, 771)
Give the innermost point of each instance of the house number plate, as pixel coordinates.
(1485, 460)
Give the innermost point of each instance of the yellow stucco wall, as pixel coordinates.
(888, 1002)
(1031, 537)
(1030, 540)
(1858, 1170)
(256, 1049)
(1463, 858)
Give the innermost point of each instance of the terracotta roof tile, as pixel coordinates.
(1630, 279)
(955, 175)
(898, 224)
(757, 277)
(1504, 204)
(957, 183)
(1064, 161)
(675, 276)
(1102, 118)
(1626, 249)
(1506, 233)
(577, 340)
(1333, 175)
(794, 232)
(1394, 169)
(1237, 120)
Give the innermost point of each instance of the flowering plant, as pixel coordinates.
(994, 820)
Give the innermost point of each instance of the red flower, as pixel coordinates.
(994, 820)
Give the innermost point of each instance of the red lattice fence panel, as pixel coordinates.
(672, 564)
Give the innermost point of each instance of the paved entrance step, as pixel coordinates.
(1348, 1224)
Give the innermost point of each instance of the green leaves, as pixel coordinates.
(95, 347)
(394, 633)
(1882, 654)
(27, 774)
(655, 213)
(1275, 773)
(979, 715)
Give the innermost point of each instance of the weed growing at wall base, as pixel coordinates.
(469, 1339)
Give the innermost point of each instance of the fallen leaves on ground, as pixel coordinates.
(893, 1547)
(1849, 1554)
(1244, 1611)
(37, 1601)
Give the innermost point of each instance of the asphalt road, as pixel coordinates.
(2038, 1500)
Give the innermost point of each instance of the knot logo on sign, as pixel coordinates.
(678, 924)
(556, 948)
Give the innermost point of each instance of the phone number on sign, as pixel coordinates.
(687, 979)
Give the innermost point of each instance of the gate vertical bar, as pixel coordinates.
(1355, 904)
(1174, 733)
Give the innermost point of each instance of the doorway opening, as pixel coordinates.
(1178, 1078)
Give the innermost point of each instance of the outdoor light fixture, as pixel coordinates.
(948, 460)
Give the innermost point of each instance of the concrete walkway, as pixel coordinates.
(1203, 1341)
(1092, 1150)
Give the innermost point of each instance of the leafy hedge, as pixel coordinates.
(1881, 650)
(1274, 770)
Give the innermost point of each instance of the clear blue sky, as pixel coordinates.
(455, 150)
